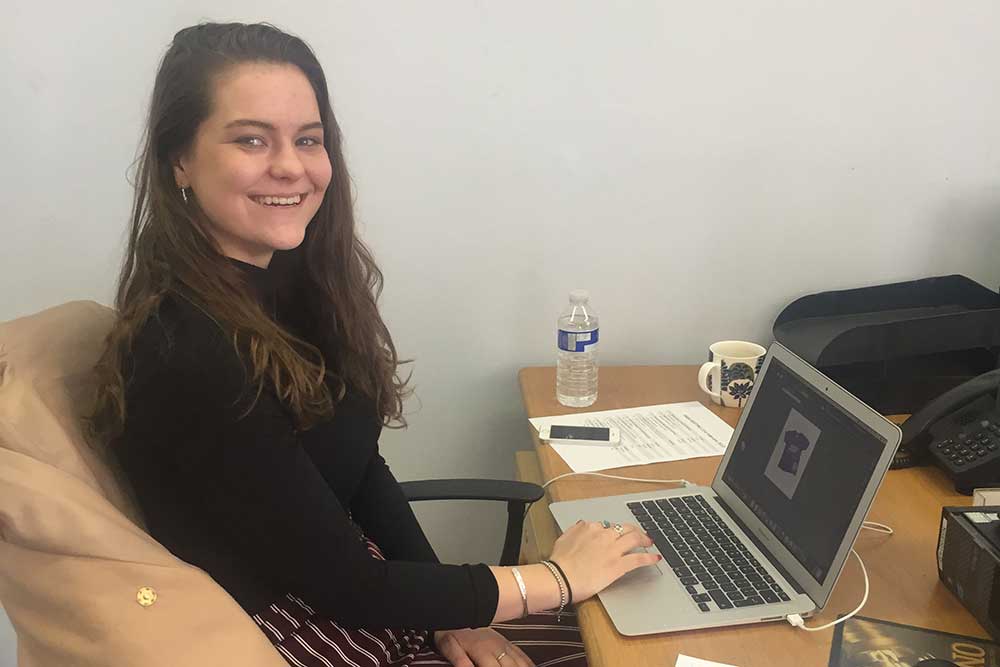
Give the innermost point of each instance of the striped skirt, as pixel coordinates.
(306, 639)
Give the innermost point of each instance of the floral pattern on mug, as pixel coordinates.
(739, 390)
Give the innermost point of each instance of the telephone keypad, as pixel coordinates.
(965, 443)
(968, 448)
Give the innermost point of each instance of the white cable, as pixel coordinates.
(878, 527)
(797, 621)
(627, 479)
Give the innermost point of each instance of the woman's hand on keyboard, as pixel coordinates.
(593, 556)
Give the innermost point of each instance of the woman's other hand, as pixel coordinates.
(479, 647)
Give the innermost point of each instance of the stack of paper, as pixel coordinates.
(649, 434)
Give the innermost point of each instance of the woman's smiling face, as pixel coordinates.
(258, 166)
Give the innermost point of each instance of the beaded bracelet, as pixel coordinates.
(563, 597)
(566, 579)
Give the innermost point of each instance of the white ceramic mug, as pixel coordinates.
(729, 374)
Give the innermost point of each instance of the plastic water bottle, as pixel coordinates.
(576, 368)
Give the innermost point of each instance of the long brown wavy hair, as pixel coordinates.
(170, 251)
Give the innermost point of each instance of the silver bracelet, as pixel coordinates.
(524, 591)
(562, 589)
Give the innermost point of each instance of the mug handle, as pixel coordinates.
(703, 373)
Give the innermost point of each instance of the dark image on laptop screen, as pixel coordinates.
(801, 465)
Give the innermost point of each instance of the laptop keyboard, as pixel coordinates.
(716, 569)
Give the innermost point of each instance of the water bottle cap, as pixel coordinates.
(579, 296)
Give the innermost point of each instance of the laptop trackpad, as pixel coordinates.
(644, 573)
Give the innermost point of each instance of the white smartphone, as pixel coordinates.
(564, 434)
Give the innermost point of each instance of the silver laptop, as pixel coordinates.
(770, 537)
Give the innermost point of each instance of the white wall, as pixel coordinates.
(8, 642)
(695, 165)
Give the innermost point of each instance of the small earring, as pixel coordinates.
(184, 195)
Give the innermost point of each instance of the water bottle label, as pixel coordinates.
(577, 341)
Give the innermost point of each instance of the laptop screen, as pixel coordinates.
(801, 465)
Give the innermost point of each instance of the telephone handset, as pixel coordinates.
(960, 431)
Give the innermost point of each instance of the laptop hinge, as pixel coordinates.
(760, 546)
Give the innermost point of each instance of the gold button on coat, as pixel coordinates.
(146, 596)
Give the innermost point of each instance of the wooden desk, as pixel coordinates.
(902, 568)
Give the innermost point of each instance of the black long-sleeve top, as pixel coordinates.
(266, 510)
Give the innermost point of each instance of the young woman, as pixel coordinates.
(247, 379)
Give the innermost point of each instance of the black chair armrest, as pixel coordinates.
(472, 489)
(516, 494)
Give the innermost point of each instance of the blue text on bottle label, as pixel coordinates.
(577, 341)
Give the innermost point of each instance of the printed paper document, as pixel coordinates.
(687, 661)
(649, 434)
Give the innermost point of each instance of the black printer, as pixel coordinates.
(897, 346)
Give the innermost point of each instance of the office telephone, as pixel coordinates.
(960, 432)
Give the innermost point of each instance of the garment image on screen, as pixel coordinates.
(792, 452)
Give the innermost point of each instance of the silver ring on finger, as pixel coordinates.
(606, 523)
(501, 655)
(620, 529)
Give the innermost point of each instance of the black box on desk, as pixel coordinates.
(968, 560)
